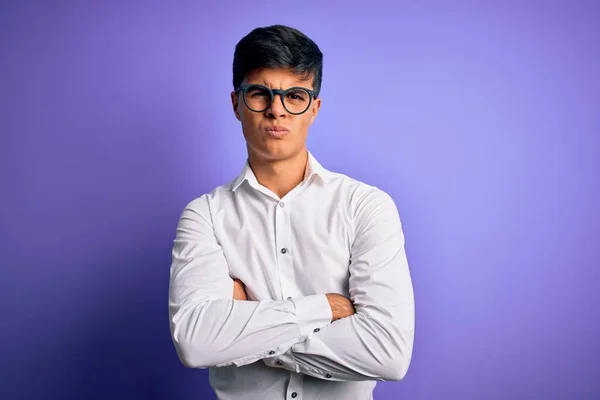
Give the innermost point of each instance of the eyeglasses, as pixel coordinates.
(258, 98)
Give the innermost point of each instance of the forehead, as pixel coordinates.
(278, 78)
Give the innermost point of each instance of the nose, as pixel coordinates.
(276, 110)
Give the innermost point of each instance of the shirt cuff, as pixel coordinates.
(284, 361)
(312, 313)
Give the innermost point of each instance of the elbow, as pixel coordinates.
(193, 350)
(193, 355)
(395, 370)
(399, 357)
(392, 352)
(189, 356)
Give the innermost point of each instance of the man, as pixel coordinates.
(290, 282)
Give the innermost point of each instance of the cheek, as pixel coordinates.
(250, 122)
(304, 124)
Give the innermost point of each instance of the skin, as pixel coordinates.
(279, 162)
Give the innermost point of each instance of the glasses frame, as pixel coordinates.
(273, 92)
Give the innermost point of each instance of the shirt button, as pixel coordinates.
(271, 352)
(281, 204)
(317, 329)
(294, 395)
(279, 362)
(328, 376)
(283, 251)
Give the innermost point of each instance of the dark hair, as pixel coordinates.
(278, 46)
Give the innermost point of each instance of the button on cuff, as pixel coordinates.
(312, 312)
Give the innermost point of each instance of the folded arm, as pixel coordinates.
(375, 343)
(211, 329)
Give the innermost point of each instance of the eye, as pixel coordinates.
(257, 91)
(297, 95)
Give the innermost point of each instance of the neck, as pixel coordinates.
(279, 176)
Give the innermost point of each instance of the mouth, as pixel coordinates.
(276, 131)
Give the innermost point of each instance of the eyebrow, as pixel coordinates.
(264, 83)
(269, 86)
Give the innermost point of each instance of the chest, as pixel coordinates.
(286, 248)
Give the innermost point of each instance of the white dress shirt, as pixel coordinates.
(330, 234)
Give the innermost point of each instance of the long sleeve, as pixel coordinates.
(211, 329)
(375, 343)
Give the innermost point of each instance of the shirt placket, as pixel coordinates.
(285, 250)
(294, 389)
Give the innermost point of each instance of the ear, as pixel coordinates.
(314, 109)
(235, 104)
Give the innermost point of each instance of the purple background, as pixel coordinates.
(480, 119)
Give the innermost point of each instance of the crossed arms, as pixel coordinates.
(211, 329)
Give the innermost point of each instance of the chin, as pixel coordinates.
(275, 151)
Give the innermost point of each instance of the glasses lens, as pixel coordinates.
(257, 98)
(297, 100)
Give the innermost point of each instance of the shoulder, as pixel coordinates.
(203, 204)
(363, 196)
(368, 205)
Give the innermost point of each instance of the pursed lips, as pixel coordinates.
(276, 131)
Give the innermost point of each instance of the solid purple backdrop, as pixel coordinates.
(480, 120)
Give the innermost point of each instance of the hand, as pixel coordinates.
(239, 290)
(341, 307)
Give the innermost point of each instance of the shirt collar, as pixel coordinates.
(313, 167)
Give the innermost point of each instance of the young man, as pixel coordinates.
(290, 282)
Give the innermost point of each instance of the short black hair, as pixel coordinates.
(278, 46)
